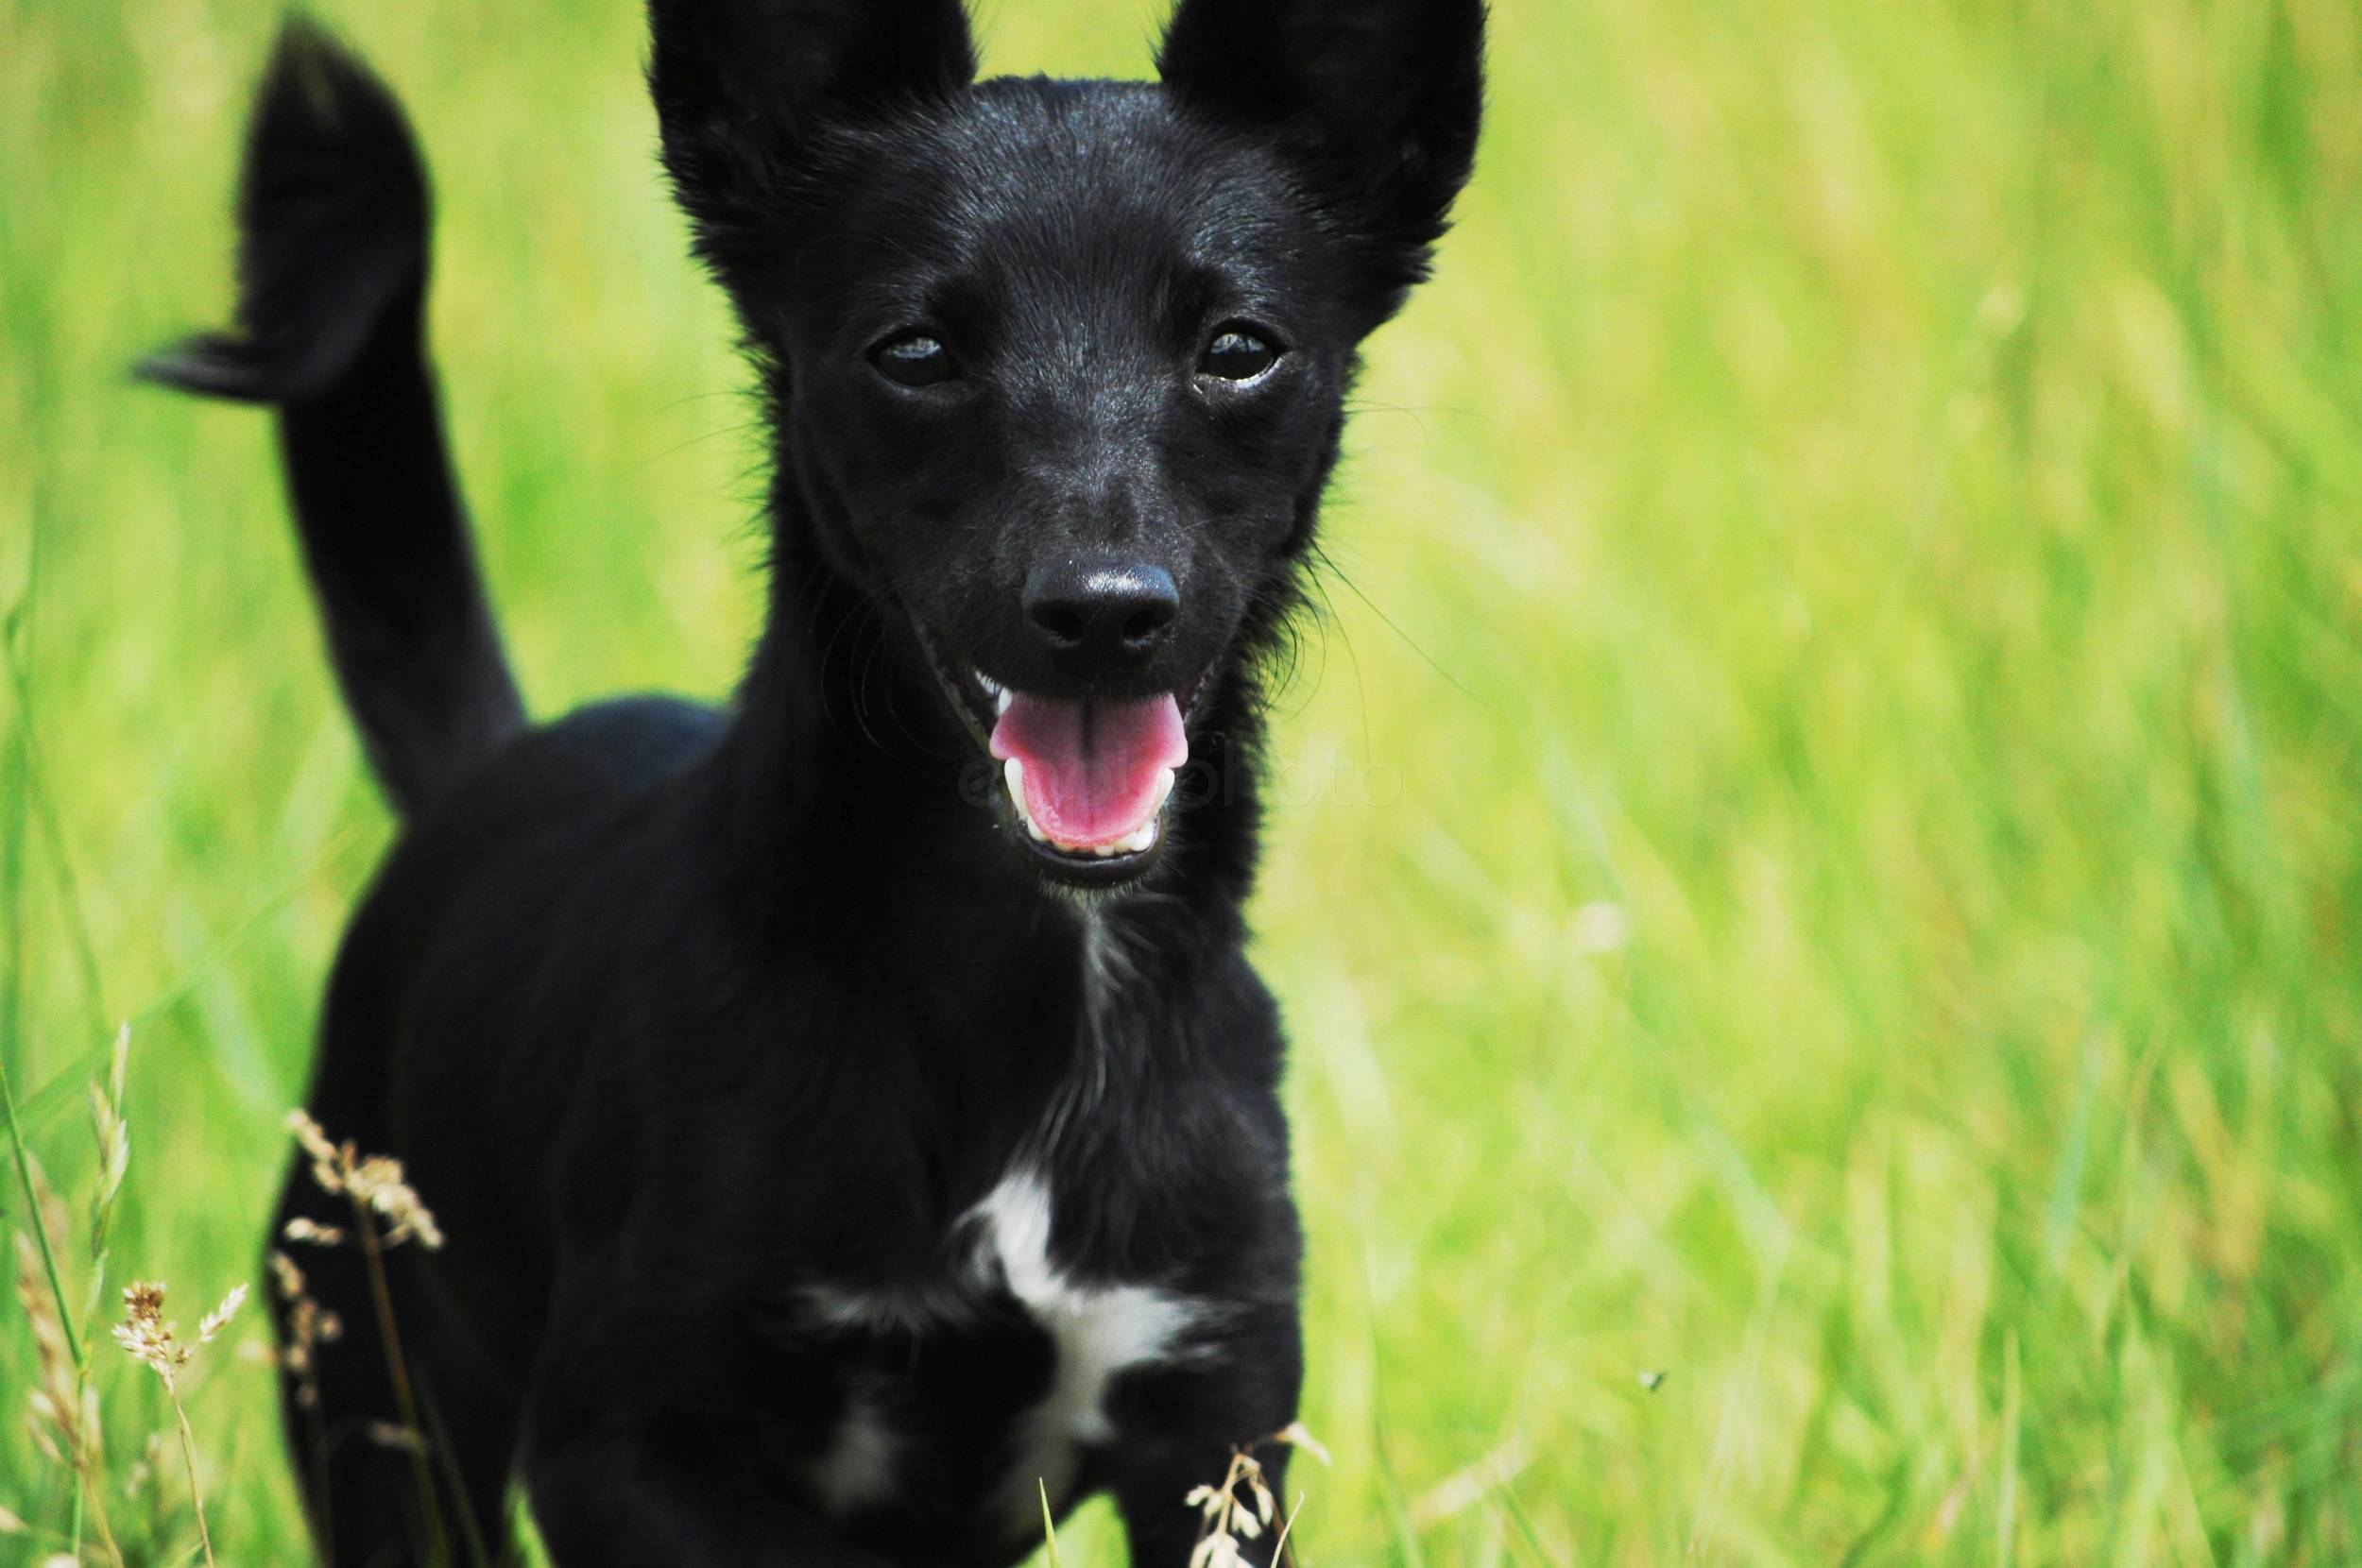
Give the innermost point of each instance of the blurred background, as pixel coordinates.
(1818, 880)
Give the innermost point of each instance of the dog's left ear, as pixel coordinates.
(1380, 99)
(743, 89)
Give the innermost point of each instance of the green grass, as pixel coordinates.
(1823, 856)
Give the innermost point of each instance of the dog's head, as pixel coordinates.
(1059, 367)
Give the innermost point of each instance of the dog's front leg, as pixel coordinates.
(660, 1496)
(1166, 1516)
(1184, 1428)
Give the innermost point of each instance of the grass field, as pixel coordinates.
(1822, 853)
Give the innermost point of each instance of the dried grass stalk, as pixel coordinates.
(148, 1336)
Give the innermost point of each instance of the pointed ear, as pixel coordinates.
(1381, 97)
(742, 85)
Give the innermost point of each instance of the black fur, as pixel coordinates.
(695, 1027)
(334, 214)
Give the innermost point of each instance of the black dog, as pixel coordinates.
(853, 1114)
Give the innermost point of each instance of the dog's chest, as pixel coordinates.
(1012, 1441)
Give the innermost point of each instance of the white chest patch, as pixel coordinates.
(1098, 1332)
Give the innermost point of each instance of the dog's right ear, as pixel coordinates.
(740, 87)
(1379, 101)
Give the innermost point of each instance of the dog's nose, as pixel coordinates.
(1102, 608)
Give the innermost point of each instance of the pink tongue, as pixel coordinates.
(1092, 770)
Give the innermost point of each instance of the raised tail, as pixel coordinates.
(333, 218)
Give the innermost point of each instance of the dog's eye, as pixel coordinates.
(915, 360)
(1236, 353)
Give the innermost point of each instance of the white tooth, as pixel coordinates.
(1002, 700)
(1013, 774)
(992, 688)
(1164, 791)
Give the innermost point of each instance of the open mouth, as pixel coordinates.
(1088, 780)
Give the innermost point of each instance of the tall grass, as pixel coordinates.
(1821, 877)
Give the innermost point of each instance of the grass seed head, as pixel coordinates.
(305, 1327)
(394, 1435)
(1297, 1435)
(210, 1326)
(374, 1183)
(114, 1141)
(329, 1162)
(1239, 1508)
(147, 1337)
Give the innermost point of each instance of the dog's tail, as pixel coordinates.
(333, 218)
